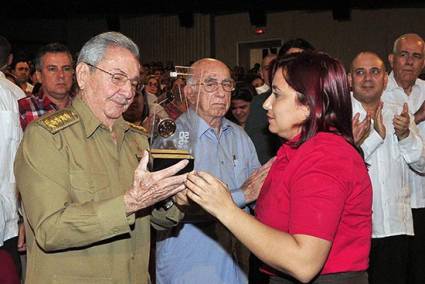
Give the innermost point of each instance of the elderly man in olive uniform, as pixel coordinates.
(86, 198)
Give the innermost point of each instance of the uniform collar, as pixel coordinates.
(91, 123)
(203, 127)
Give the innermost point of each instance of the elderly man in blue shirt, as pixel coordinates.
(199, 250)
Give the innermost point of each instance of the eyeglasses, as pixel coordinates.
(118, 79)
(153, 84)
(375, 71)
(212, 85)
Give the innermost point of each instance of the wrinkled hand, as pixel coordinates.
(152, 187)
(401, 123)
(361, 130)
(378, 121)
(420, 114)
(252, 186)
(210, 193)
(22, 246)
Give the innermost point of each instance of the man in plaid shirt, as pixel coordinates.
(54, 69)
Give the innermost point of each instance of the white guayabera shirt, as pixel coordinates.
(10, 137)
(395, 95)
(389, 161)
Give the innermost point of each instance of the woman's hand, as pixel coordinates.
(210, 193)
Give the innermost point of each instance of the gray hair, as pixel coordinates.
(193, 75)
(396, 42)
(94, 50)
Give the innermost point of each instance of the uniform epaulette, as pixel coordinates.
(59, 120)
(137, 128)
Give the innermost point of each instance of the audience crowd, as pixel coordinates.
(303, 171)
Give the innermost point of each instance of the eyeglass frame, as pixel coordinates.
(118, 83)
(216, 83)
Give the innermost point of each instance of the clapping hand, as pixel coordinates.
(401, 123)
(378, 121)
(420, 114)
(361, 129)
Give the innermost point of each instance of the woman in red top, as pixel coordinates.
(313, 214)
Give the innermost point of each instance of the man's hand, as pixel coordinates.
(420, 114)
(401, 123)
(378, 121)
(361, 130)
(152, 187)
(252, 186)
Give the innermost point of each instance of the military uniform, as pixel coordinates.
(72, 178)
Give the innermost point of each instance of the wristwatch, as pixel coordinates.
(167, 203)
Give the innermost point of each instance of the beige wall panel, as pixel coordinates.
(161, 38)
(368, 29)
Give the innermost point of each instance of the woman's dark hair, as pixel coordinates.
(322, 85)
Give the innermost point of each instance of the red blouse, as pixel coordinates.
(321, 189)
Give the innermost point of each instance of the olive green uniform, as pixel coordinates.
(72, 177)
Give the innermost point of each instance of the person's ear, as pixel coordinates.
(82, 74)
(306, 111)
(10, 59)
(391, 59)
(38, 76)
(190, 94)
(385, 80)
(350, 80)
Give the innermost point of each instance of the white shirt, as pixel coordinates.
(388, 161)
(10, 137)
(262, 89)
(12, 88)
(396, 95)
